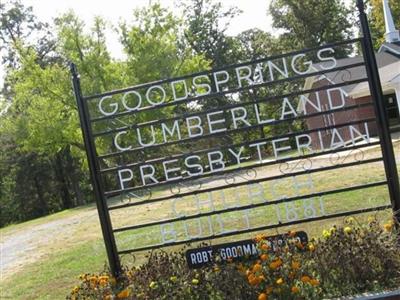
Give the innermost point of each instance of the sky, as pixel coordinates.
(254, 14)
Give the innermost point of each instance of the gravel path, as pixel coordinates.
(26, 245)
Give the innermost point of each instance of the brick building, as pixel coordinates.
(388, 60)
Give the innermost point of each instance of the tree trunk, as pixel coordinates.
(74, 177)
(43, 209)
(65, 195)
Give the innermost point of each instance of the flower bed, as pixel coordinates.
(346, 260)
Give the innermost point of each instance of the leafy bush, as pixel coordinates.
(357, 258)
(346, 260)
(285, 273)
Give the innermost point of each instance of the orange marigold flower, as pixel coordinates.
(262, 296)
(251, 277)
(295, 265)
(253, 280)
(257, 268)
(265, 247)
(279, 281)
(305, 278)
(103, 282)
(123, 294)
(295, 289)
(264, 257)
(275, 264)
(314, 282)
(259, 237)
(93, 281)
(388, 227)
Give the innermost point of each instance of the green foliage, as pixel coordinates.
(377, 22)
(347, 260)
(41, 125)
(205, 28)
(362, 257)
(310, 23)
(40, 132)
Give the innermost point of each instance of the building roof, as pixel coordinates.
(389, 74)
(388, 62)
(393, 48)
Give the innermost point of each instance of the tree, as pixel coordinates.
(154, 49)
(17, 26)
(255, 44)
(206, 23)
(42, 122)
(377, 21)
(40, 132)
(311, 23)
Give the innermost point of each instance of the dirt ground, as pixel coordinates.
(21, 246)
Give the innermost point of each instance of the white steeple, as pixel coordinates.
(391, 35)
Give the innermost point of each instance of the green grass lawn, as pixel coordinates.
(56, 272)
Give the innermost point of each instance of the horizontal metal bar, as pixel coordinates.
(237, 169)
(183, 155)
(280, 161)
(144, 85)
(227, 107)
(276, 177)
(266, 227)
(153, 160)
(237, 130)
(222, 93)
(251, 206)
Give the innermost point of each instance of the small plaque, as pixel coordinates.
(239, 250)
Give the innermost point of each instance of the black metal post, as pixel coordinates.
(381, 119)
(102, 208)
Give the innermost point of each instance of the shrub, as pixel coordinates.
(166, 276)
(357, 257)
(284, 273)
(346, 260)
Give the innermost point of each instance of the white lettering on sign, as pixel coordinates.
(216, 161)
(218, 81)
(209, 138)
(223, 223)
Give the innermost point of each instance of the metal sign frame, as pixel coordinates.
(101, 195)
